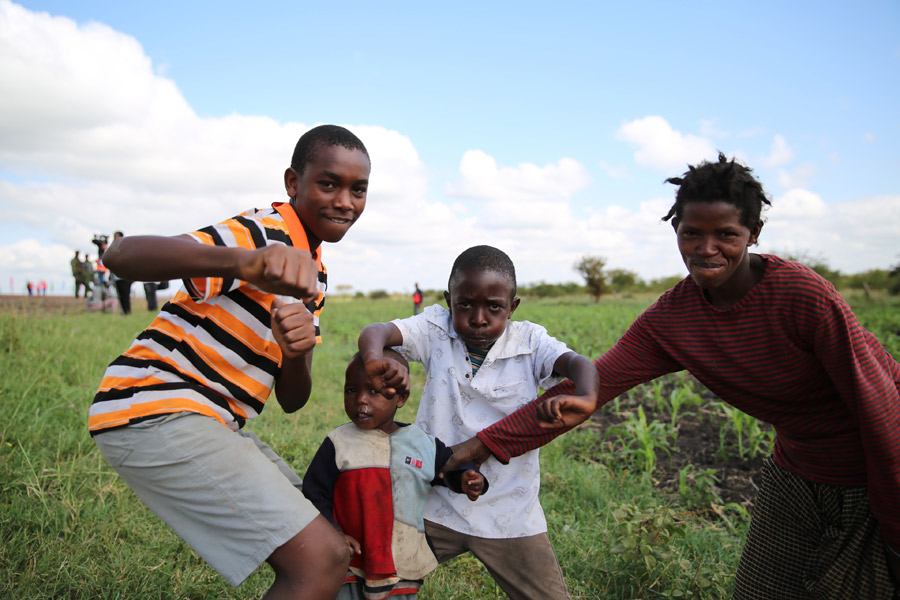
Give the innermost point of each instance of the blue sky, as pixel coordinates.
(545, 129)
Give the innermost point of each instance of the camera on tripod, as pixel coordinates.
(101, 241)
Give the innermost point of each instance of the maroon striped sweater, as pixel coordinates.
(790, 353)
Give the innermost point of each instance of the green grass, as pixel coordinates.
(70, 528)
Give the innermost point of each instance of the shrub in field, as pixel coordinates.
(641, 438)
(643, 539)
(697, 489)
(753, 437)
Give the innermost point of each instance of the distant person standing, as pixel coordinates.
(123, 286)
(417, 300)
(88, 268)
(78, 272)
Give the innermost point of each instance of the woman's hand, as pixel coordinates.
(562, 412)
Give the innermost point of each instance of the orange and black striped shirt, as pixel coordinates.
(211, 349)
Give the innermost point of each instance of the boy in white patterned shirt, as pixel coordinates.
(480, 367)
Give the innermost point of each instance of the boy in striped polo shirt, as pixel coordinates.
(169, 411)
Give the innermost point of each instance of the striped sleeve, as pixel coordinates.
(210, 350)
(636, 358)
(867, 378)
(243, 231)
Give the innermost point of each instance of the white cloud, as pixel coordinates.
(851, 236)
(527, 182)
(94, 138)
(518, 197)
(615, 171)
(800, 176)
(661, 148)
(797, 204)
(780, 154)
(125, 151)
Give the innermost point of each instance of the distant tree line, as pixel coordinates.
(600, 281)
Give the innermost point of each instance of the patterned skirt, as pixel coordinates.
(812, 541)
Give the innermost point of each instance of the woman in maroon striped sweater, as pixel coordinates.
(774, 339)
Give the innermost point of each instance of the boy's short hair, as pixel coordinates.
(323, 135)
(483, 258)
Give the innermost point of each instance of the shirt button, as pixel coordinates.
(467, 375)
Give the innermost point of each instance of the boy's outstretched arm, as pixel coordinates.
(387, 375)
(277, 268)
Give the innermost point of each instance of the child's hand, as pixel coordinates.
(388, 376)
(293, 327)
(565, 411)
(283, 270)
(472, 484)
(353, 545)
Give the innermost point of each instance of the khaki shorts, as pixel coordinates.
(525, 568)
(228, 495)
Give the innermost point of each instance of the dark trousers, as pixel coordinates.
(123, 289)
(150, 293)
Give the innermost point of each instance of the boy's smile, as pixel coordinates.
(330, 193)
(480, 304)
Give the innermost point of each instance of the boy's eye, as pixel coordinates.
(328, 185)
(359, 191)
(349, 390)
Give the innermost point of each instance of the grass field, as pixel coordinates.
(69, 528)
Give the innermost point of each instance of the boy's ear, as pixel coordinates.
(290, 182)
(401, 399)
(514, 305)
(447, 299)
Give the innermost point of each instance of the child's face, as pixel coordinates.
(330, 194)
(480, 304)
(367, 408)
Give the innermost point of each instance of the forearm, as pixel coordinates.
(374, 338)
(517, 433)
(160, 258)
(294, 383)
(582, 372)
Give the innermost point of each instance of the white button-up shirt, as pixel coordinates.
(456, 405)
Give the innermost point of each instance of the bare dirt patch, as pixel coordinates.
(42, 304)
